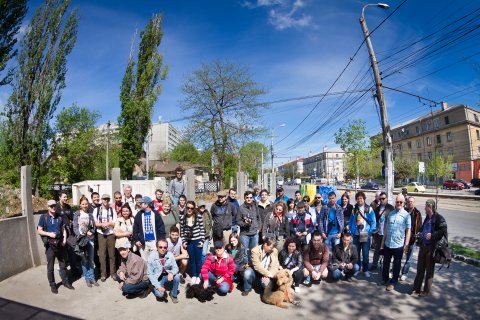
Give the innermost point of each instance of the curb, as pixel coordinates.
(467, 260)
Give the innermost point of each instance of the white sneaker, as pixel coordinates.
(197, 280)
(367, 274)
(390, 275)
(193, 280)
(403, 277)
(297, 290)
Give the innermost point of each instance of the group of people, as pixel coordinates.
(158, 241)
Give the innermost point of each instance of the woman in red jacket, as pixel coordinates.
(218, 270)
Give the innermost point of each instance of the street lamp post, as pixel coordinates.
(106, 156)
(387, 139)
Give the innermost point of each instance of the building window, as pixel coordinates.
(429, 124)
(429, 141)
(439, 138)
(476, 117)
(419, 157)
(409, 144)
(450, 152)
(429, 155)
(400, 147)
(419, 143)
(478, 134)
(447, 121)
(417, 129)
(449, 136)
(436, 123)
(336, 155)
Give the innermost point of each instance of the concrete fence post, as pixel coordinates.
(190, 176)
(116, 183)
(241, 186)
(27, 211)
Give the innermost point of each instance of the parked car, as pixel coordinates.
(453, 184)
(477, 192)
(415, 187)
(466, 185)
(370, 186)
(475, 182)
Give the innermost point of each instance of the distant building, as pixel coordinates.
(164, 138)
(293, 168)
(452, 131)
(329, 164)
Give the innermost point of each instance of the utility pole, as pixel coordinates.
(271, 152)
(106, 156)
(262, 182)
(387, 139)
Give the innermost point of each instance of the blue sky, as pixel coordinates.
(293, 48)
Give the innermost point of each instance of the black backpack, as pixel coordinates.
(443, 254)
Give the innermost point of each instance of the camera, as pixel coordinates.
(247, 220)
(331, 223)
(360, 227)
(418, 239)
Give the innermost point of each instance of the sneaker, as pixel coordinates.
(367, 274)
(297, 290)
(382, 283)
(103, 279)
(95, 283)
(145, 293)
(198, 280)
(423, 294)
(349, 279)
(412, 292)
(193, 280)
(390, 275)
(54, 290)
(390, 287)
(182, 279)
(307, 281)
(403, 277)
(245, 293)
(89, 284)
(356, 273)
(174, 299)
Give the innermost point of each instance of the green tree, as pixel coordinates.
(405, 168)
(439, 167)
(251, 158)
(352, 139)
(12, 13)
(74, 153)
(185, 151)
(39, 82)
(223, 101)
(139, 90)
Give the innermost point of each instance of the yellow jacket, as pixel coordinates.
(257, 256)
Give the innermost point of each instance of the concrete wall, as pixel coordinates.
(15, 255)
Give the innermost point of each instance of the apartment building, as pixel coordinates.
(328, 164)
(163, 138)
(454, 131)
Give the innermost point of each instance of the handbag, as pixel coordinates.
(363, 236)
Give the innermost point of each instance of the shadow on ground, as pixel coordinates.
(12, 310)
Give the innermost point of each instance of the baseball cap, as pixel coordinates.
(51, 203)
(201, 203)
(105, 196)
(146, 199)
(125, 244)
(222, 193)
(301, 204)
(218, 244)
(279, 188)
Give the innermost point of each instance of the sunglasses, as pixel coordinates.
(162, 247)
(399, 202)
(318, 197)
(52, 206)
(248, 197)
(191, 208)
(383, 198)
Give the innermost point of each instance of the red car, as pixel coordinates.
(453, 184)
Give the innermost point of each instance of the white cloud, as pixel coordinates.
(284, 14)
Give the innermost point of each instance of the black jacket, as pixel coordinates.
(346, 256)
(297, 259)
(439, 226)
(250, 212)
(271, 227)
(222, 215)
(416, 220)
(264, 211)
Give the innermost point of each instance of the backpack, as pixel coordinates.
(97, 209)
(443, 254)
(214, 258)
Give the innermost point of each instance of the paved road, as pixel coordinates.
(454, 296)
(463, 216)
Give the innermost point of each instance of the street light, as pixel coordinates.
(387, 139)
(106, 156)
(271, 146)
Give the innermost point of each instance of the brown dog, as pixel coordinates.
(283, 290)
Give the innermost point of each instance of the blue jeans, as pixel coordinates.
(224, 287)
(88, 265)
(249, 242)
(133, 289)
(248, 275)
(205, 250)
(364, 247)
(337, 273)
(163, 281)
(406, 266)
(331, 242)
(195, 258)
(397, 254)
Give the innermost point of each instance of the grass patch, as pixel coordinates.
(464, 251)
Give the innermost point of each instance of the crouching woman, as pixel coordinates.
(218, 270)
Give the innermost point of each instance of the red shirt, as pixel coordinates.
(218, 267)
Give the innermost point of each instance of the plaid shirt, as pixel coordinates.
(397, 223)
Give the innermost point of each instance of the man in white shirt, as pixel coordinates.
(105, 218)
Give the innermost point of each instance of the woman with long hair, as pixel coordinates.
(291, 258)
(347, 210)
(84, 230)
(123, 229)
(291, 211)
(276, 225)
(243, 272)
(192, 232)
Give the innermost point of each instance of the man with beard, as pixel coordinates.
(158, 201)
(315, 259)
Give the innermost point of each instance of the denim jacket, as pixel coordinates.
(155, 267)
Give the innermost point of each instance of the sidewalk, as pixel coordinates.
(455, 296)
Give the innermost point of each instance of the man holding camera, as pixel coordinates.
(163, 269)
(249, 221)
(51, 228)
